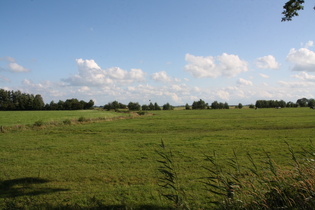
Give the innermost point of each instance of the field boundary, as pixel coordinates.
(68, 122)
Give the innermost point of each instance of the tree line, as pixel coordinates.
(135, 106)
(16, 100)
(302, 102)
(201, 104)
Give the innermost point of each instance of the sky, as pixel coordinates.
(175, 51)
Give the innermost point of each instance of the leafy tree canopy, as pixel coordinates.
(291, 9)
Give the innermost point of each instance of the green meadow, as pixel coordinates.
(23, 118)
(114, 164)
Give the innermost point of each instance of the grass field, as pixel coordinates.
(113, 164)
(15, 118)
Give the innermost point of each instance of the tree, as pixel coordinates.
(199, 104)
(311, 103)
(240, 106)
(251, 106)
(215, 105)
(38, 102)
(291, 9)
(156, 106)
(302, 102)
(187, 107)
(145, 107)
(60, 105)
(134, 106)
(151, 106)
(114, 105)
(89, 105)
(167, 106)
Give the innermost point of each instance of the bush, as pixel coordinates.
(167, 106)
(141, 113)
(39, 123)
(82, 119)
(67, 122)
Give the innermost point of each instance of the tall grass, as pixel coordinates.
(169, 181)
(251, 185)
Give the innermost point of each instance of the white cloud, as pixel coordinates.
(116, 73)
(264, 76)
(17, 68)
(242, 81)
(87, 64)
(136, 75)
(13, 66)
(304, 76)
(224, 65)
(201, 67)
(231, 65)
(296, 85)
(46, 88)
(267, 62)
(309, 44)
(303, 59)
(224, 95)
(161, 77)
(84, 89)
(91, 74)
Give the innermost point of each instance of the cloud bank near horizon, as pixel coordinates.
(229, 77)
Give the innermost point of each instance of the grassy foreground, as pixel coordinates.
(113, 164)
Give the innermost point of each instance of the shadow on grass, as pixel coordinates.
(25, 187)
(30, 186)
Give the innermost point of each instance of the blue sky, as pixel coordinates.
(175, 51)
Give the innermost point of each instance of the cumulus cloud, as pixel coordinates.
(91, 74)
(161, 77)
(13, 66)
(224, 65)
(303, 59)
(267, 62)
(231, 65)
(242, 81)
(304, 76)
(45, 88)
(87, 64)
(309, 44)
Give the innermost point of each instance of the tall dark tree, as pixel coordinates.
(156, 106)
(187, 107)
(89, 104)
(151, 106)
(38, 102)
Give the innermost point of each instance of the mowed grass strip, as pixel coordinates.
(13, 118)
(115, 161)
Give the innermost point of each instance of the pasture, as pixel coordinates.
(113, 164)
